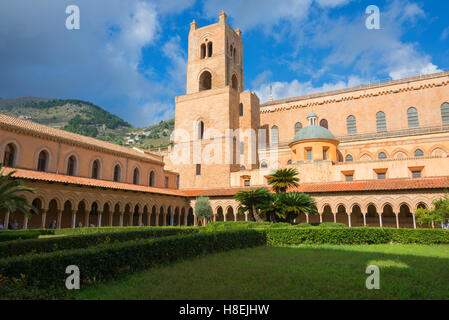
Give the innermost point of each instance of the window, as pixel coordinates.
(235, 83)
(324, 154)
(381, 122)
(117, 173)
(96, 169)
(382, 156)
(274, 135)
(209, 49)
(419, 153)
(136, 176)
(324, 123)
(381, 175)
(242, 148)
(198, 169)
(177, 182)
(349, 158)
(264, 165)
(200, 130)
(42, 162)
(351, 125)
(412, 116)
(203, 51)
(241, 109)
(152, 179)
(205, 81)
(247, 183)
(166, 182)
(416, 174)
(349, 177)
(71, 166)
(309, 154)
(445, 113)
(298, 127)
(10, 155)
(289, 162)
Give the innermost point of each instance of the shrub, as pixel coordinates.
(14, 248)
(295, 236)
(238, 225)
(17, 235)
(106, 262)
(332, 225)
(80, 231)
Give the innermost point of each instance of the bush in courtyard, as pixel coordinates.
(17, 235)
(332, 225)
(14, 248)
(107, 262)
(203, 209)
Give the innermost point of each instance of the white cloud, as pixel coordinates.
(173, 50)
(332, 3)
(445, 34)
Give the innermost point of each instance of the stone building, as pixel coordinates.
(369, 155)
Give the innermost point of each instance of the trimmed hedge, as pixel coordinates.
(83, 231)
(17, 235)
(294, 236)
(108, 262)
(15, 248)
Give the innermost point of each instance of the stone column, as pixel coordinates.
(164, 223)
(349, 220)
(364, 219)
(179, 219)
(140, 219)
(235, 217)
(335, 217)
(131, 217)
(86, 219)
(185, 219)
(73, 219)
(157, 220)
(121, 219)
(25, 223)
(397, 220)
(44, 218)
(59, 220)
(215, 218)
(321, 218)
(111, 218)
(100, 214)
(196, 220)
(414, 221)
(6, 222)
(246, 216)
(380, 220)
(224, 217)
(172, 218)
(307, 217)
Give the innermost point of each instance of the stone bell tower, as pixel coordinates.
(213, 108)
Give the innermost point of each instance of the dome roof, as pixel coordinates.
(312, 133)
(312, 115)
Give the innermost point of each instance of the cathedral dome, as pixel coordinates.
(313, 133)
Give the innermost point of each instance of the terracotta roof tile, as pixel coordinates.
(58, 178)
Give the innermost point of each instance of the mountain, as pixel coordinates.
(85, 118)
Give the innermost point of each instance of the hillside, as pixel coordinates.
(85, 118)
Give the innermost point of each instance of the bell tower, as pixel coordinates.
(214, 107)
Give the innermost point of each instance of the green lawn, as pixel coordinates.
(302, 272)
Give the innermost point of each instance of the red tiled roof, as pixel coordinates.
(59, 178)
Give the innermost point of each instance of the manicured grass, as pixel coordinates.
(301, 272)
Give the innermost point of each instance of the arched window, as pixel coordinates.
(445, 113)
(200, 130)
(274, 135)
(324, 123)
(96, 170)
(10, 155)
(117, 173)
(42, 161)
(381, 122)
(298, 127)
(136, 176)
(203, 51)
(289, 162)
(71, 166)
(351, 125)
(241, 109)
(412, 116)
(152, 179)
(264, 165)
(382, 156)
(209, 49)
(349, 158)
(235, 83)
(234, 55)
(205, 81)
(419, 153)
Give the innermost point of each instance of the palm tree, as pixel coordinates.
(10, 197)
(283, 179)
(290, 205)
(253, 201)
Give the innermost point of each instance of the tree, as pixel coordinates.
(283, 179)
(424, 216)
(203, 209)
(254, 201)
(440, 213)
(10, 197)
(290, 205)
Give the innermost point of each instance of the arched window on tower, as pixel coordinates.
(419, 153)
(209, 49)
(200, 132)
(381, 122)
(382, 156)
(117, 173)
(349, 158)
(298, 127)
(136, 176)
(324, 123)
(351, 125)
(96, 170)
(412, 117)
(203, 51)
(445, 113)
(235, 83)
(241, 109)
(42, 162)
(274, 136)
(9, 156)
(205, 81)
(71, 166)
(152, 179)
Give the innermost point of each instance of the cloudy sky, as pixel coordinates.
(129, 56)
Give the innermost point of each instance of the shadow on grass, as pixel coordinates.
(291, 273)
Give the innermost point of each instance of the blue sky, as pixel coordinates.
(129, 57)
